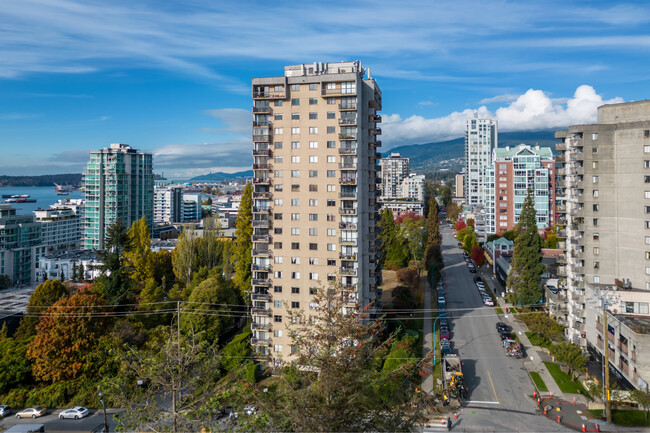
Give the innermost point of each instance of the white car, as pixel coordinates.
(74, 413)
(31, 412)
(488, 302)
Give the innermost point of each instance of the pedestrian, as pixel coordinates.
(507, 310)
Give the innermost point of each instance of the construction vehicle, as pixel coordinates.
(512, 348)
(452, 377)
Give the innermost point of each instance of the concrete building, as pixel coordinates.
(168, 204)
(60, 229)
(118, 185)
(64, 264)
(315, 134)
(400, 207)
(413, 187)
(481, 139)
(603, 189)
(77, 205)
(515, 170)
(191, 207)
(459, 185)
(393, 170)
(20, 245)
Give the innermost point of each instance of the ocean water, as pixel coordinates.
(44, 195)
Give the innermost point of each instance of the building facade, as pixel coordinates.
(393, 170)
(512, 173)
(118, 185)
(20, 246)
(603, 184)
(60, 229)
(315, 135)
(168, 204)
(481, 139)
(413, 187)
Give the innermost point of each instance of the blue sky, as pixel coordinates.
(173, 77)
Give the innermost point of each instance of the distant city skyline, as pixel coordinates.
(174, 80)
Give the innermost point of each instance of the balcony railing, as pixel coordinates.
(257, 194)
(260, 282)
(260, 326)
(261, 311)
(347, 136)
(375, 131)
(265, 166)
(348, 271)
(348, 195)
(261, 253)
(258, 341)
(262, 138)
(347, 256)
(261, 297)
(255, 267)
(262, 110)
(347, 226)
(324, 91)
(348, 165)
(262, 180)
(347, 106)
(257, 209)
(348, 180)
(261, 123)
(262, 223)
(347, 151)
(348, 241)
(348, 211)
(261, 238)
(348, 121)
(269, 95)
(261, 152)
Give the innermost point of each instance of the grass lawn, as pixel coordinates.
(539, 382)
(631, 418)
(499, 310)
(538, 340)
(564, 381)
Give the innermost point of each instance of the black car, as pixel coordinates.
(502, 327)
(478, 279)
(444, 323)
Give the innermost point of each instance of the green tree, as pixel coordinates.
(212, 309)
(15, 368)
(387, 233)
(469, 240)
(571, 355)
(81, 273)
(642, 398)
(445, 194)
(5, 282)
(243, 244)
(184, 257)
(524, 280)
(44, 296)
(115, 284)
(412, 231)
(433, 253)
(138, 256)
(453, 210)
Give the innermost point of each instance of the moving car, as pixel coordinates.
(32, 412)
(4, 410)
(74, 413)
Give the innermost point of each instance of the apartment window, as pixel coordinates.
(295, 159)
(331, 129)
(646, 164)
(331, 158)
(277, 173)
(647, 224)
(277, 116)
(277, 319)
(295, 145)
(295, 116)
(277, 202)
(331, 202)
(347, 87)
(313, 86)
(331, 232)
(313, 144)
(277, 333)
(647, 209)
(595, 193)
(313, 116)
(313, 290)
(277, 348)
(313, 246)
(594, 179)
(295, 290)
(277, 103)
(331, 217)
(313, 261)
(331, 115)
(295, 188)
(295, 173)
(331, 101)
(313, 188)
(313, 130)
(313, 276)
(277, 245)
(295, 276)
(277, 259)
(295, 231)
(313, 202)
(277, 230)
(295, 101)
(278, 89)
(594, 164)
(595, 207)
(295, 304)
(646, 133)
(277, 304)
(277, 216)
(277, 289)
(295, 260)
(596, 265)
(313, 159)
(595, 221)
(295, 217)
(595, 236)
(331, 86)
(647, 240)
(596, 279)
(647, 270)
(331, 144)
(331, 173)
(646, 194)
(594, 149)
(331, 277)
(331, 247)
(647, 255)
(646, 149)
(313, 101)
(277, 274)
(331, 262)
(313, 217)
(331, 188)
(277, 145)
(596, 251)
(295, 131)
(277, 131)
(295, 87)
(278, 159)
(594, 136)
(313, 232)
(646, 179)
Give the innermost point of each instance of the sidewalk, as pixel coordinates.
(427, 332)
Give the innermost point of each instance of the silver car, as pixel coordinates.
(74, 413)
(32, 412)
(4, 410)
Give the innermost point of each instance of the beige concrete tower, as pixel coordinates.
(315, 135)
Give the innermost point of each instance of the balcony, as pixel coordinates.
(262, 238)
(347, 151)
(375, 131)
(261, 311)
(264, 166)
(269, 95)
(257, 209)
(261, 282)
(265, 224)
(347, 241)
(348, 211)
(348, 165)
(347, 136)
(376, 142)
(348, 106)
(348, 195)
(255, 267)
(348, 256)
(623, 366)
(260, 326)
(262, 180)
(261, 253)
(261, 297)
(560, 147)
(622, 347)
(338, 91)
(261, 152)
(375, 118)
(348, 121)
(347, 226)
(260, 194)
(262, 110)
(348, 271)
(256, 341)
(261, 123)
(262, 138)
(348, 180)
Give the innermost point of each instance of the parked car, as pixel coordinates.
(444, 334)
(445, 349)
(4, 410)
(503, 327)
(32, 412)
(74, 413)
(472, 269)
(444, 323)
(488, 301)
(480, 284)
(444, 341)
(478, 279)
(460, 245)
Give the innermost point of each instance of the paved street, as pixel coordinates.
(53, 424)
(499, 386)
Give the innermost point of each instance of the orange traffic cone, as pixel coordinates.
(534, 393)
(455, 415)
(583, 427)
(558, 418)
(538, 401)
(597, 427)
(544, 410)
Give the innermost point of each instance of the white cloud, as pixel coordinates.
(532, 110)
(236, 120)
(506, 97)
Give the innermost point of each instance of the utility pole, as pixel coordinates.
(606, 299)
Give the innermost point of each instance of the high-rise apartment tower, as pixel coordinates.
(480, 140)
(394, 170)
(118, 185)
(315, 135)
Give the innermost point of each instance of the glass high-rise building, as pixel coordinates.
(118, 185)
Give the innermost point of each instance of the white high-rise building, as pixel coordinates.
(480, 140)
(413, 187)
(168, 204)
(394, 170)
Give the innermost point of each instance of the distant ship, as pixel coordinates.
(15, 195)
(63, 189)
(20, 200)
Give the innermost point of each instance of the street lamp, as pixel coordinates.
(101, 399)
(434, 337)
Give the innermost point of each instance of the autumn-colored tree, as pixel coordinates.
(399, 219)
(453, 210)
(460, 224)
(470, 222)
(67, 336)
(138, 257)
(478, 256)
(45, 295)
